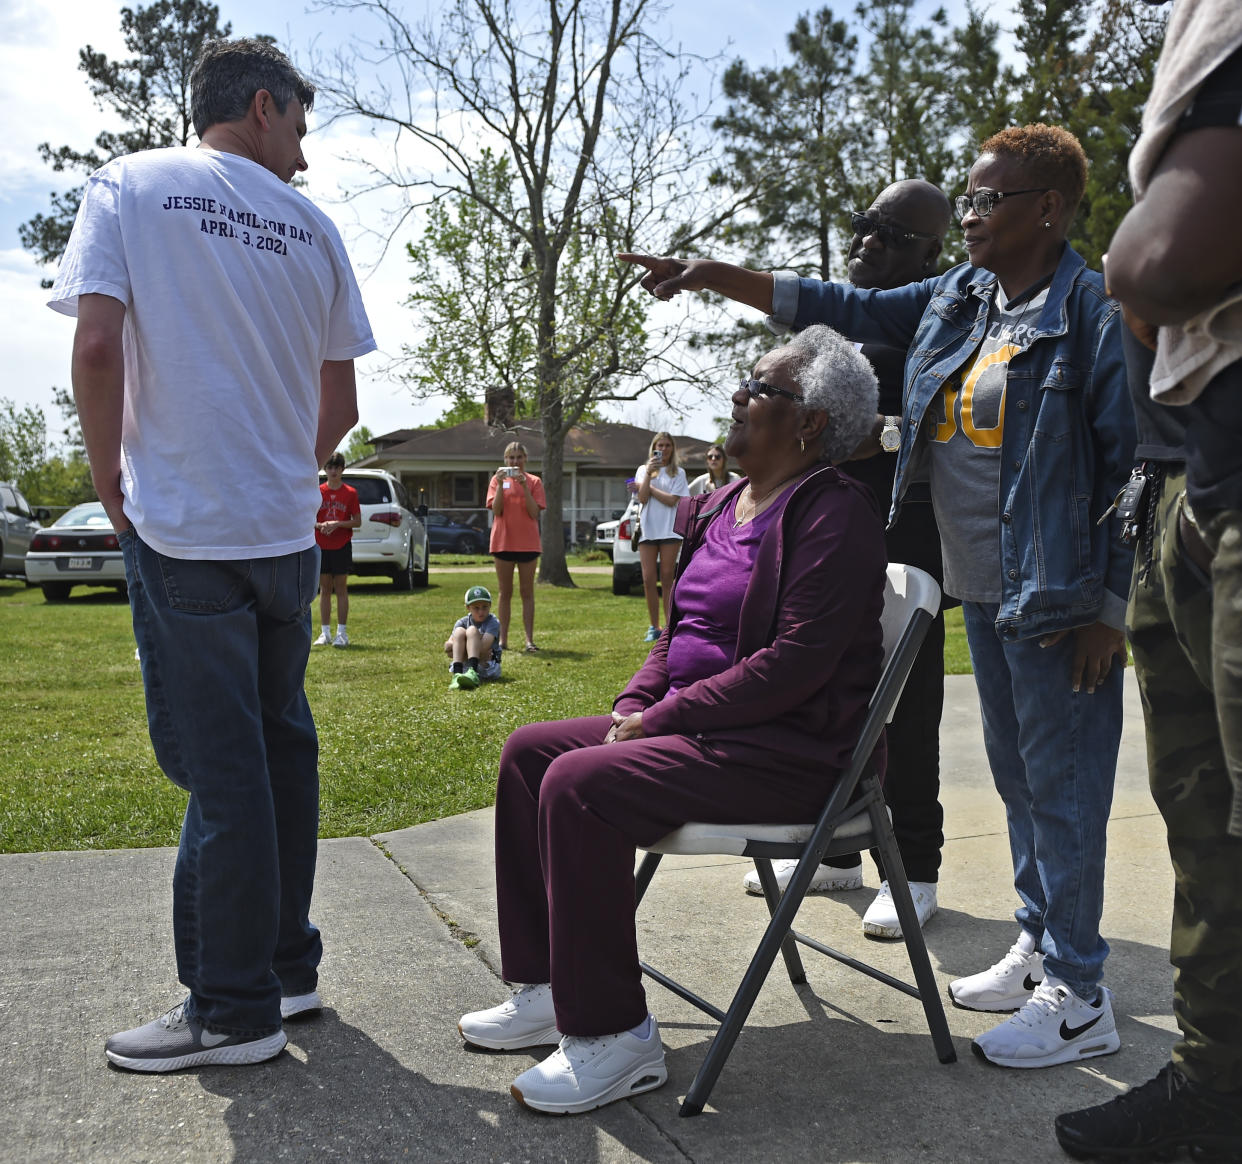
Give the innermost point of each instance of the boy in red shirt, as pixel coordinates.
(339, 515)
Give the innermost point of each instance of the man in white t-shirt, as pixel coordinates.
(217, 324)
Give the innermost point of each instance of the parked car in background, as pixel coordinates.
(78, 549)
(18, 523)
(392, 538)
(616, 537)
(448, 536)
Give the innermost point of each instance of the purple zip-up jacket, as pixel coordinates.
(809, 643)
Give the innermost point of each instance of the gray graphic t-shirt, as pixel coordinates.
(963, 431)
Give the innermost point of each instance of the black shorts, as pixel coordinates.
(515, 555)
(337, 561)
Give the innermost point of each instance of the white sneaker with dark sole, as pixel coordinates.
(586, 1073)
(826, 879)
(881, 921)
(528, 1019)
(322, 641)
(300, 1005)
(173, 1042)
(1005, 986)
(1055, 1026)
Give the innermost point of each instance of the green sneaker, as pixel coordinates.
(455, 681)
(468, 680)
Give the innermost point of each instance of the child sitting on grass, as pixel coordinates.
(474, 645)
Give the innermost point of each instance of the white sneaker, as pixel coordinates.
(1055, 1026)
(293, 1005)
(1005, 986)
(880, 920)
(322, 640)
(528, 1019)
(583, 1074)
(341, 640)
(826, 879)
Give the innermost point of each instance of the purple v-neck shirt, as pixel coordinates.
(709, 597)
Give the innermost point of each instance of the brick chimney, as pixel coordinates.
(499, 407)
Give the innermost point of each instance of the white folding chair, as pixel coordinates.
(853, 819)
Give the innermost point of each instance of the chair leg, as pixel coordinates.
(739, 1009)
(646, 871)
(912, 933)
(772, 895)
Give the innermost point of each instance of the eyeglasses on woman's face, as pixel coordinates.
(756, 388)
(891, 236)
(983, 202)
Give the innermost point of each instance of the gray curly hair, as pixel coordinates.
(836, 379)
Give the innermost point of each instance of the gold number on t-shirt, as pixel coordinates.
(983, 438)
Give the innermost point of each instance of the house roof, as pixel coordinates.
(473, 442)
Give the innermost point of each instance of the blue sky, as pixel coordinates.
(48, 100)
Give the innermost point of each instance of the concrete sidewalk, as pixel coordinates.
(840, 1070)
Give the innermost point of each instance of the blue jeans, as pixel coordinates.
(223, 646)
(1054, 759)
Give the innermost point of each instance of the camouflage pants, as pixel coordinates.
(1171, 629)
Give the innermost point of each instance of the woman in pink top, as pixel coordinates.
(515, 498)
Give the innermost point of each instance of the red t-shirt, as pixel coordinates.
(336, 505)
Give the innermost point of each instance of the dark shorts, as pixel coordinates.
(515, 555)
(336, 561)
(659, 541)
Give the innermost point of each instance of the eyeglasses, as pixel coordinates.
(890, 236)
(759, 388)
(983, 202)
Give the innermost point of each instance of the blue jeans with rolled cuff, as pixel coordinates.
(223, 646)
(1053, 755)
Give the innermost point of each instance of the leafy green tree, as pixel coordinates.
(148, 92)
(560, 139)
(905, 105)
(1120, 63)
(359, 445)
(44, 477)
(1048, 33)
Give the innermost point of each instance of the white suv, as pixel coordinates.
(615, 536)
(392, 538)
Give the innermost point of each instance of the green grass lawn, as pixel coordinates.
(396, 746)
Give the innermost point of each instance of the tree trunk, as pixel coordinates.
(552, 566)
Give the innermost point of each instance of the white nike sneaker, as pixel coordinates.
(881, 921)
(1005, 986)
(1055, 1026)
(322, 640)
(826, 879)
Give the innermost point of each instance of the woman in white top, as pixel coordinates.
(660, 484)
(717, 474)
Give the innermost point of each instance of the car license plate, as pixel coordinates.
(81, 563)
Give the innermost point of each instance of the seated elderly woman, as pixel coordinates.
(746, 709)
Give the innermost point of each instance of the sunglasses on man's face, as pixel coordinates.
(759, 388)
(890, 236)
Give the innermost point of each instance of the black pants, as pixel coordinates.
(912, 786)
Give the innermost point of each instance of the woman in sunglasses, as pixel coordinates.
(718, 473)
(746, 709)
(1016, 405)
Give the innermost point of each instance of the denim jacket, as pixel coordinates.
(1069, 437)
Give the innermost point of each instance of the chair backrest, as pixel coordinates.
(907, 590)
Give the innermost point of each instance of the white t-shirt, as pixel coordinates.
(237, 288)
(656, 519)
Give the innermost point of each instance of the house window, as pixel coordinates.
(465, 490)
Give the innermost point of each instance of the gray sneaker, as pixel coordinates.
(173, 1041)
(300, 1005)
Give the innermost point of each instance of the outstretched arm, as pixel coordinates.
(667, 276)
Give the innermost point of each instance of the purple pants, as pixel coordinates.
(570, 812)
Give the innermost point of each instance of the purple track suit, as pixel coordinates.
(762, 740)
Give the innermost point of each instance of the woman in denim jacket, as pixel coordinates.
(1015, 399)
